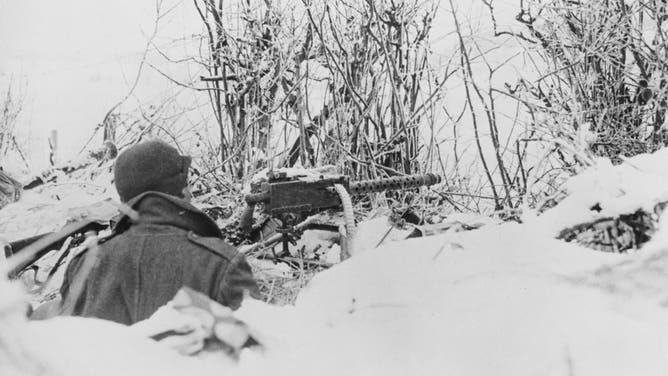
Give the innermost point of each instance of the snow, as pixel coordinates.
(376, 231)
(506, 299)
(498, 302)
(639, 183)
(88, 192)
(73, 334)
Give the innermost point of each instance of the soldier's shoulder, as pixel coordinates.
(215, 245)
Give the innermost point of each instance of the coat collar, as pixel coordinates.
(160, 208)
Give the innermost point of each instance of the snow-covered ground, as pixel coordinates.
(493, 301)
(506, 299)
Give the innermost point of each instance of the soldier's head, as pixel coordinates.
(151, 166)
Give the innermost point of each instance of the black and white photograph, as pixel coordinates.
(334, 187)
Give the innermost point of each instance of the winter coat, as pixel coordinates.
(142, 265)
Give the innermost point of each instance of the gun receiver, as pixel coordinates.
(281, 194)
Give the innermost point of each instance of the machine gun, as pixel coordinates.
(286, 198)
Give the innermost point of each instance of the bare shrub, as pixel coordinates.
(10, 109)
(605, 71)
(345, 83)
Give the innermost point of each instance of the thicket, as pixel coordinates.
(345, 83)
(352, 84)
(604, 71)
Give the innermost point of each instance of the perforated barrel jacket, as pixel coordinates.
(142, 265)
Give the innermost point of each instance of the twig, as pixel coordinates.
(299, 260)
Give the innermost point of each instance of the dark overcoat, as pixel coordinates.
(143, 265)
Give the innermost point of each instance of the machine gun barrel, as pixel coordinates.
(393, 183)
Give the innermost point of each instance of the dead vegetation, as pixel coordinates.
(620, 234)
(602, 71)
(283, 290)
(10, 189)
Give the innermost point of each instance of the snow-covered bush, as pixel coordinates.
(604, 71)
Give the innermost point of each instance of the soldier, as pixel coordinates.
(142, 265)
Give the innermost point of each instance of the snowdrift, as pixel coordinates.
(494, 301)
(503, 300)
